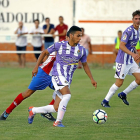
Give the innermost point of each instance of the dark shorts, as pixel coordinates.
(41, 81)
(21, 48)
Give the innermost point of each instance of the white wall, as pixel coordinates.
(105, 10)
(16, 9)
(85, 10)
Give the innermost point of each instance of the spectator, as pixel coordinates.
(36, 40)
(62, 29)
(48, 29)
(21, 42)
(86, 43)
(117, 44)
(138, 50)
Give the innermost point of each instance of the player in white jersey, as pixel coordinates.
(68, 55)
(125, 61)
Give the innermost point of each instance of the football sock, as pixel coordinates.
(43, 109)
(15, 103)
(131, 87)
(111, 92)
(62, 107)
(52, 102)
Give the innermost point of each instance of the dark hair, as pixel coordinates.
(119, 31)
(47, 18)
(61, 17)
(137, 12)
(36, 20)
(67, 34)
(73, 29)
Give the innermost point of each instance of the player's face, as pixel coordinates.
(136, 21)
(60, 19)
(36, 23)
(119, 34)
(20, 24)
(47, 21)
(77, 37)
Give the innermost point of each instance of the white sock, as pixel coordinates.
(131, 87)
(111, 92)
(43, 109)
(62, 107)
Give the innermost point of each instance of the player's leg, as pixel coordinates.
(66, 95)
(121, 71)
(131, 87)
(23, 60)
(19, 60)
(16, 102)
(111, 92)
(135, 71)
(39, 82)
(19, 56)
(23, 57)
(44, 109)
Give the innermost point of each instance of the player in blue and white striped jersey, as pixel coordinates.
(69, 53)
(125, 61)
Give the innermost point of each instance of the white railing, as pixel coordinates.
(96, 40)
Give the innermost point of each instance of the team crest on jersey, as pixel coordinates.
(78, 52)
(124, 36)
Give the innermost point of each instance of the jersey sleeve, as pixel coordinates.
(66, 27)
(56, 28)
(53, 48)
(44, 27)
(83, 59)
(126, 35)
(25, 30)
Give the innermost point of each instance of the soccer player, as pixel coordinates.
(39, 82)
(69, 53)
(125, 61)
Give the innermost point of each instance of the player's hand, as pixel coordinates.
(136, 56)
(35, 71)
(18, 35)
(54, 36)
(94, 83)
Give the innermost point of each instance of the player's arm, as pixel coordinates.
(88, 72)
(62, 34)
(39, 61)
(16, 31)
(90, 47)
(124, 49)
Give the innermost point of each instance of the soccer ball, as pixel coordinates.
(99, 116)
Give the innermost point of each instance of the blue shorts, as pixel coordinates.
(41, 81)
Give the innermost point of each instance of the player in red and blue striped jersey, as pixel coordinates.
(39, 82)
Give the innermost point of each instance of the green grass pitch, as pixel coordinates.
(123, 121)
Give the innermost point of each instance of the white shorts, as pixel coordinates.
(122, 70)
(59, 82)
(58, 94)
